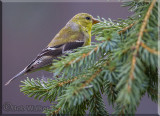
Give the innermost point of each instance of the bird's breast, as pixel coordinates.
(86, 38)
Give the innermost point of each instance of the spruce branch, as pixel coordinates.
(45, 90)
(133, 74)
(84, 88)
(82, 57)
(97, 107)
(67, 82)
(149, 49)
(76, 60)
(140, 36)
(126, 28)
(110, 91)
(88, 81)
(56, 111)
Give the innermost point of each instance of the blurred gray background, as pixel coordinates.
(27, 28)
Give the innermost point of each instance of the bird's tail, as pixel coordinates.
(19, 74)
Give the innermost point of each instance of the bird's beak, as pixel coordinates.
(94, 21)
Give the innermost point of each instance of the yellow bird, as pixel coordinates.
(76, 33)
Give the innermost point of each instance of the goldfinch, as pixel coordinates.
(76, 33)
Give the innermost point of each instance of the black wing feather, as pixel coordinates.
(72, 45)
(47, 55)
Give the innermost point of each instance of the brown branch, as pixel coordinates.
(122, 111)
(122, 31)
(56, 111)
(92, 77)
(88, 81)
(149, 49)
(140, 38)
(126, 28)
(66, 82)
(82, 57)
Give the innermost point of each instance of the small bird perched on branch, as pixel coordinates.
(76, 33)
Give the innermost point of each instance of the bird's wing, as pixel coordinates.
(46, 57)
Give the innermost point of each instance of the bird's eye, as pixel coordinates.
(88, 18)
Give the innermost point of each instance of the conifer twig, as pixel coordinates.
(69, 81)
(56, 111)
(126, 28)
(92, 77)
(82, 57)
(88, 81)
(66, 82)
(140, 38)
(122, 31)
(149, 49)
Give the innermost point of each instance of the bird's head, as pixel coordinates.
(85, 20)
